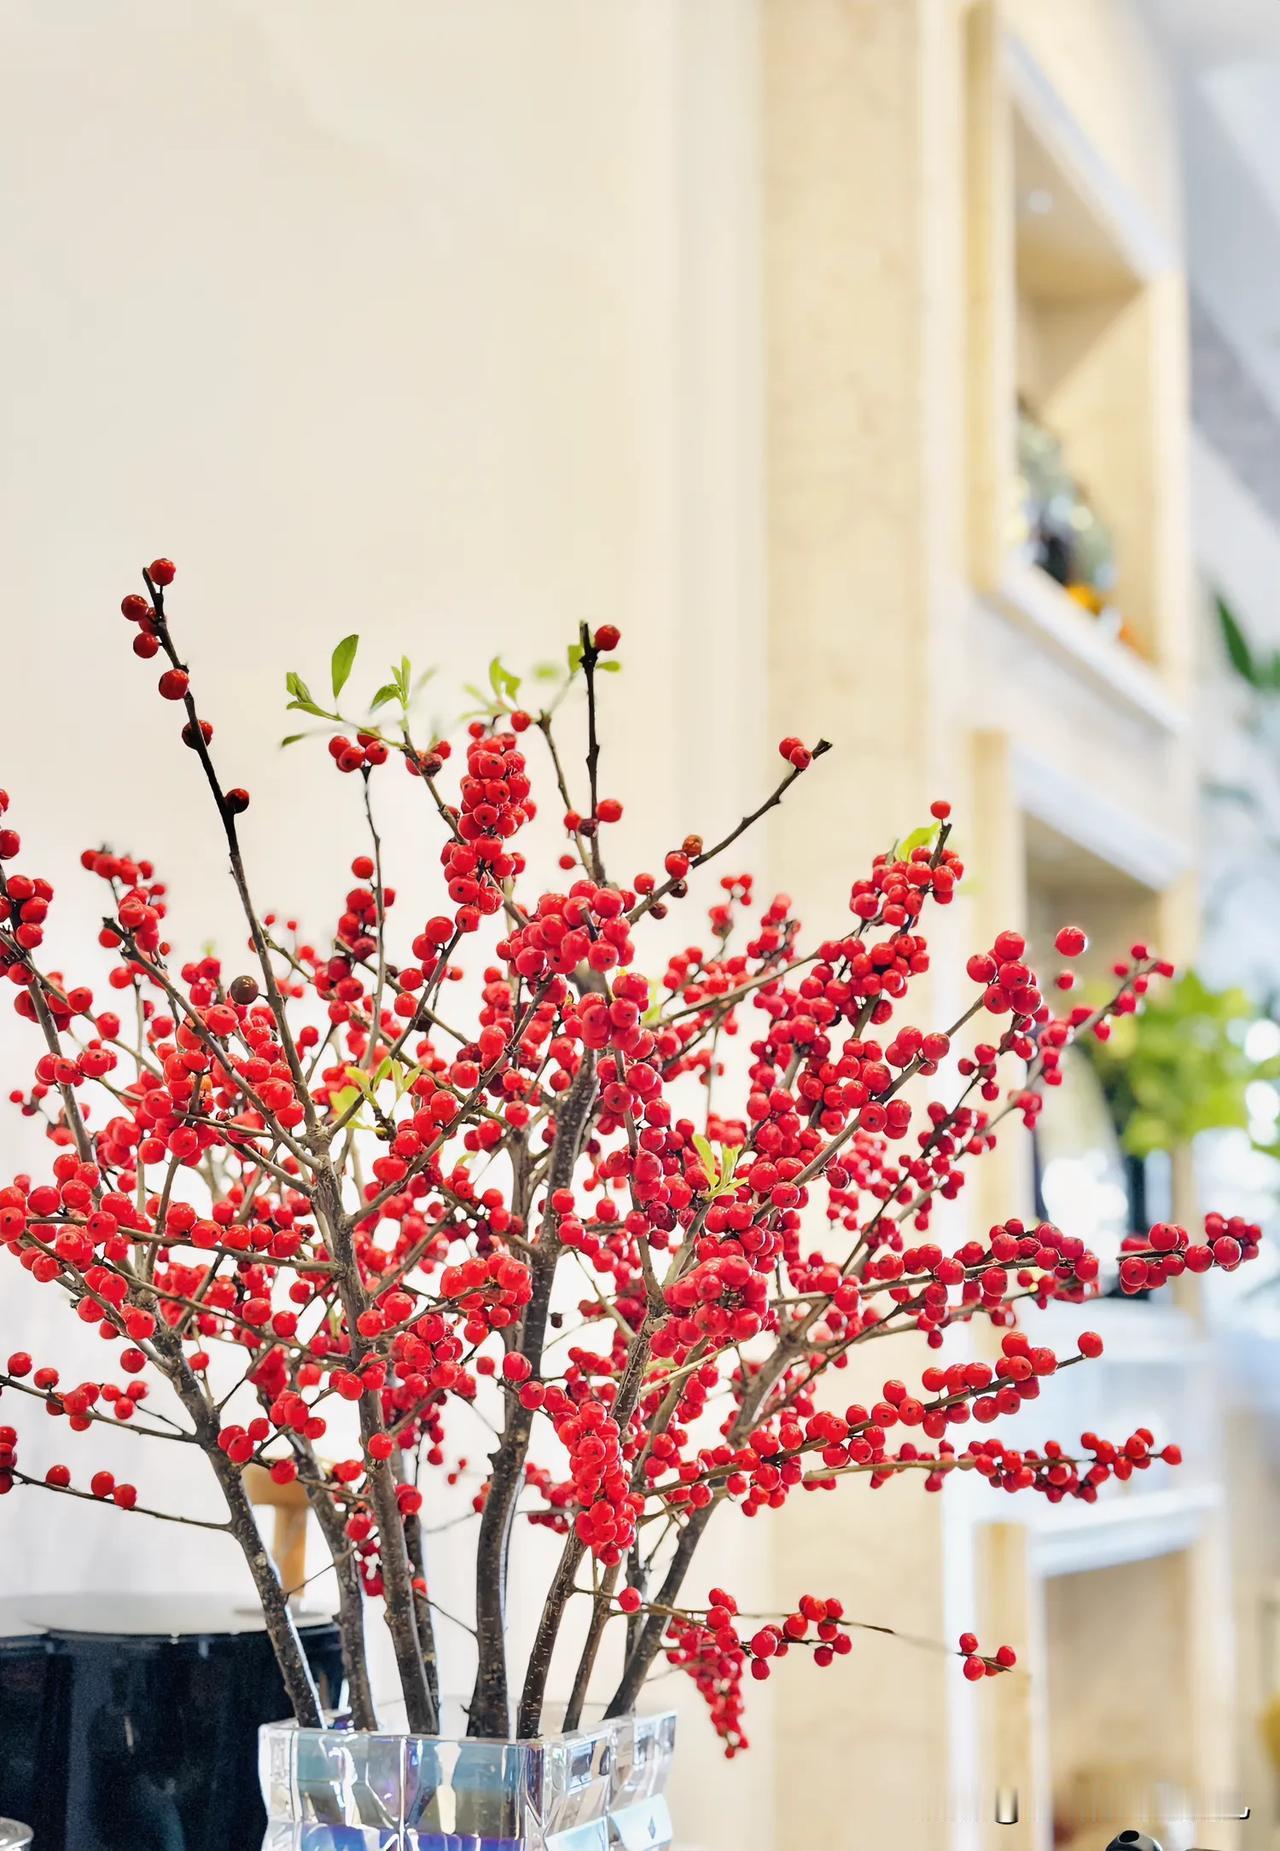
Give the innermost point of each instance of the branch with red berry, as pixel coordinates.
(370, 1208)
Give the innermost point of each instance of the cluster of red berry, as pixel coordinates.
(362, 1191)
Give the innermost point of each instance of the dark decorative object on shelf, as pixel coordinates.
(1058, 528)
(131, 1723)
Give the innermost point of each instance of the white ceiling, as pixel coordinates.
(1219, 31)
(1227, 56)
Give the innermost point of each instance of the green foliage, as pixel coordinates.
(504, 689)
(919, 838)
(301, 699)
(400, 687)
(1179, 1066)
(342, 662)
(365, 1086)
(718, 1165)
(1261, 672)
(498, 700)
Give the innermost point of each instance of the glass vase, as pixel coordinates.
(599, 1788)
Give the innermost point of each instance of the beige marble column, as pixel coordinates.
(863, 342)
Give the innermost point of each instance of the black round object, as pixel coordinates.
(130, 1724)
(1133, 1840)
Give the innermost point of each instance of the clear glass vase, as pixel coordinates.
(600, 1788)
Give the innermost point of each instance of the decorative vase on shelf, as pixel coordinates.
(598, 1788)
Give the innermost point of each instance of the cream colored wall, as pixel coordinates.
(434, 322)
(864, 332)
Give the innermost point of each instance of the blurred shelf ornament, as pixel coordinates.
(1057, 529)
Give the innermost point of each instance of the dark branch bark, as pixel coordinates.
(397, 1577)
(590, 656)
(648, 1639)
(561, 1589)
(415, 1545)
(490, 1713)
(294, 1670)
(640, 1660)
(587, 1662)
(350, 1614)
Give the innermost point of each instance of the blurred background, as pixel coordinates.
(905, 371)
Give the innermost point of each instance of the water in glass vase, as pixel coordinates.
(601, 1788)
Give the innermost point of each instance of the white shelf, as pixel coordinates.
(1157, 1334)
(1135, 849)
(1029, 598)
(1127, 1528)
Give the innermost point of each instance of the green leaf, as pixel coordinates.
(343, 1101)
(505, 685)
(1237, 645)
(574, 653)
(610, 666)
(919, 838)
(387, 692)
(341, 663)
(296, 686)
(654, 1012)
(358, 1077)
(729, 1155)
(291, 739)
(307, 705)
(719, 1167)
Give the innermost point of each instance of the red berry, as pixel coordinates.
(174, 683)
(629, 1600)
(1090, 1343)
(1070, 942)
(237, 800)
(607, 637)
(163, 571)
